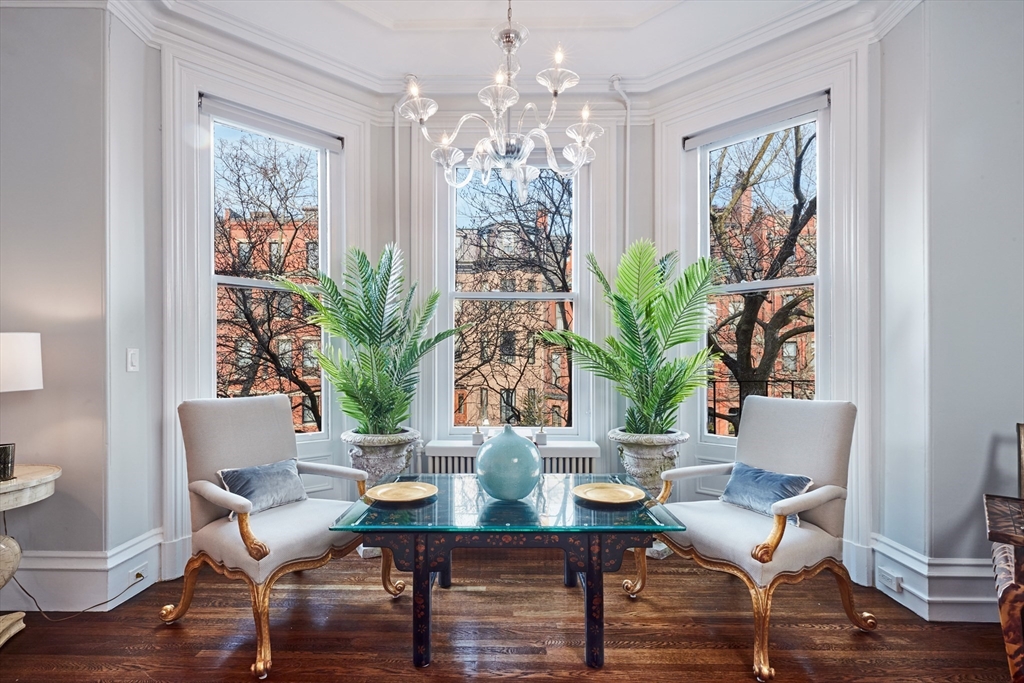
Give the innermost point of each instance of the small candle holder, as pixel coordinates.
(478, 437)
(6, 461)
(541, 437)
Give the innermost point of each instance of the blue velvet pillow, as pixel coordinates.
(756, 489)
(266, 486)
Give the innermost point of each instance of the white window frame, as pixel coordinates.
(580, 297)
(329, 156)
(720, 448)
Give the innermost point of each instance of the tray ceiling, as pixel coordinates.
(446, 43)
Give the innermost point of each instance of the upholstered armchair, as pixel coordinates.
(809, 438)
(258, 548)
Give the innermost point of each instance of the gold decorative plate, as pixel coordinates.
(601, 492)
(401, 492)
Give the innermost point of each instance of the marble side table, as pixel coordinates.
(31, 483)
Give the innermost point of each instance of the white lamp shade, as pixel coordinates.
(21, 361)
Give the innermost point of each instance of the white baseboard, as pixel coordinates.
(938, 588)
(173, 556)
(859, 560)
(72, 581)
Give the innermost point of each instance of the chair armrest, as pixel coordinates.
(241, 506)
(219, 496)
(668, 476)
(336, 471)
(809, 500)
(763, 552)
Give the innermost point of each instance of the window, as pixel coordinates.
(512, 276)
(790, 354)
(276, 263)
(508, 406)
(556, 367)
(308, 412)
(313, 256)
(310, 365)
(482, 416)
(508, 347)
(762, 223)
(265, 198)
(244, 254)
(460, 404)
(284, 353)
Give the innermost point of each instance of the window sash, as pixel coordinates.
(440, 260)
(729, 134)
(214, 112)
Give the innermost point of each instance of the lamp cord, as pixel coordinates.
(3, 516)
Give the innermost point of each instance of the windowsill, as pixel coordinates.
(553, 449)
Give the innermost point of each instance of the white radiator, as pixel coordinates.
(462, 464)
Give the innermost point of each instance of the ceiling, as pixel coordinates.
(373, 44)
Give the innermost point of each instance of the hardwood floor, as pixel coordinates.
(507, 616)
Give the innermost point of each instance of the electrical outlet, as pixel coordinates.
(139, 573)
(893, 582)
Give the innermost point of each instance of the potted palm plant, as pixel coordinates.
(655, 312)
(377, 379)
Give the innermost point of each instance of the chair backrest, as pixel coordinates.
(224, 433)
(794, 436)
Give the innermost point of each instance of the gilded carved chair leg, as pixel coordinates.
(171, 613)
(762, 599)
(260, 593)
(393, 588)
(634, 587)
(865, 621)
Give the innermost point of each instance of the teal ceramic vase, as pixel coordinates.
(508, 466)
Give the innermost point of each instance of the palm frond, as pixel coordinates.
(368, 309)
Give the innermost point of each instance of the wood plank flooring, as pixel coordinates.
(507, 616)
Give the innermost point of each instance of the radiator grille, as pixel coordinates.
(454, 464)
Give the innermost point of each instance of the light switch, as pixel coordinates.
(133, 360)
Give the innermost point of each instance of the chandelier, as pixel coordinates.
(507, 150)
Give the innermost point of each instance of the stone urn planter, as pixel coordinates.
(646, 456)
(380, 455)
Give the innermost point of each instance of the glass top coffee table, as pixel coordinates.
(420, 536)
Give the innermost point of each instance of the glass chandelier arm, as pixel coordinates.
(552, 159)
(542, 125)
(451, 178)
(448, 140)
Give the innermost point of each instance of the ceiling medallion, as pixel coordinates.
(506, 150)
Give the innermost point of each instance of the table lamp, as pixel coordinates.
(21, 369)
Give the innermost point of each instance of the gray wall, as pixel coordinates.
(953, 290)
(52, 262)
(80, 262)
(975, 55)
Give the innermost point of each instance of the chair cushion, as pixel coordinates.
(720, 531)
(265, 486)
(757, 490)
(295, 531)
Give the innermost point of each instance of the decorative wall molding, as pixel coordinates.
(74, 580)
(937, 588)
(205, 23)
(187, 70)
(850, 365)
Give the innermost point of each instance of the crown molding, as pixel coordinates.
(159, 21)
(770, 31)
(892, 13)
(216, 20)
(367, 9)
